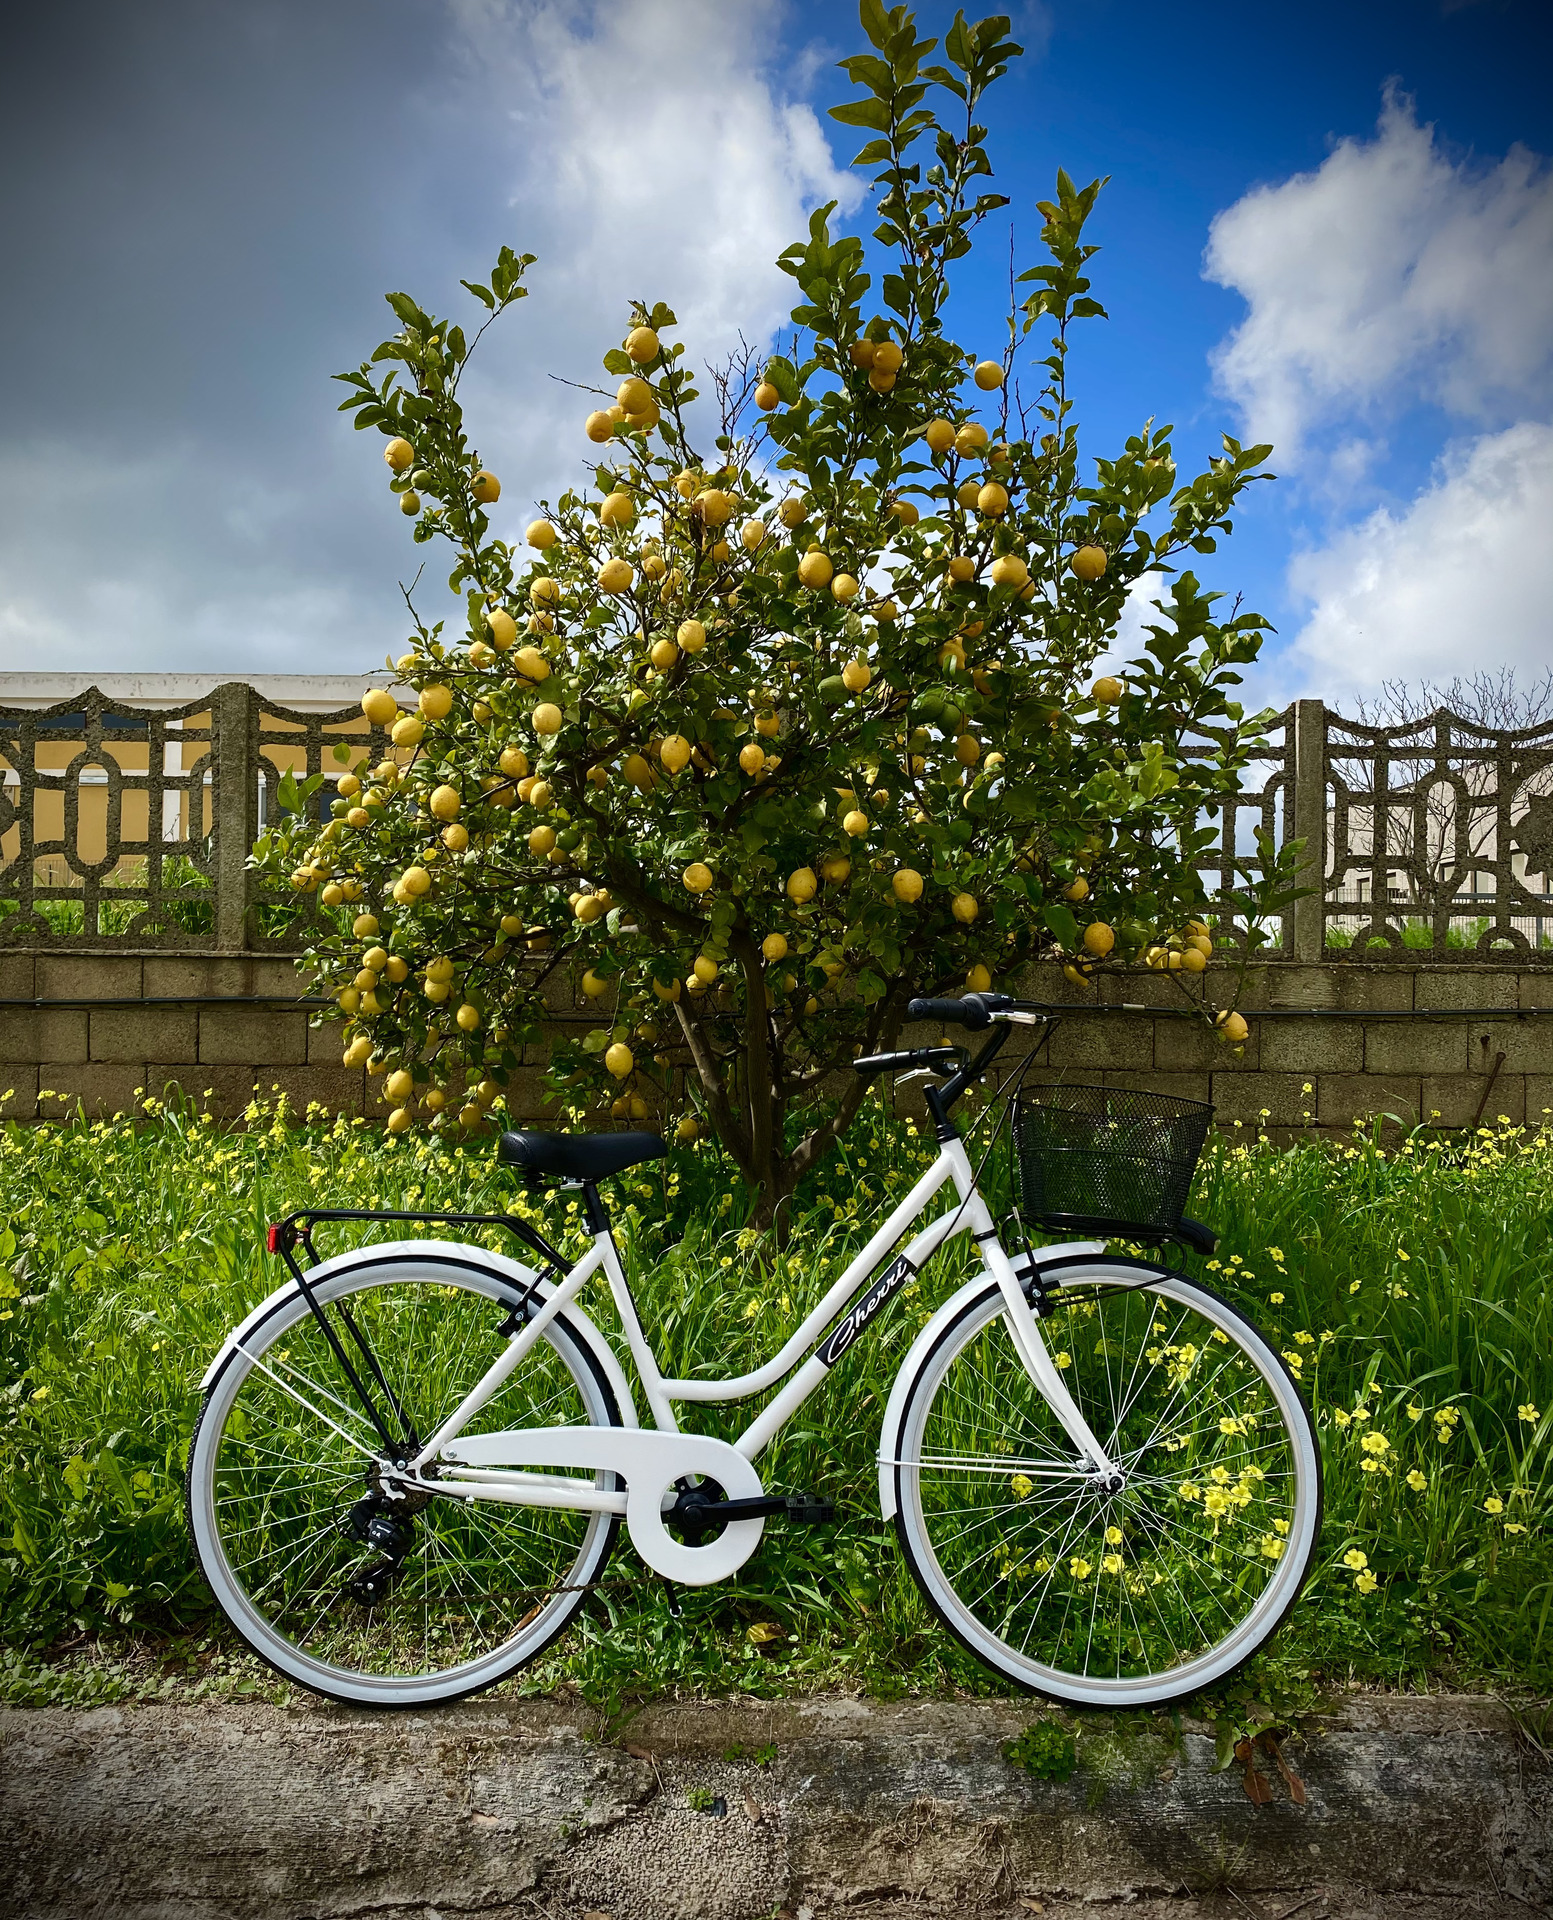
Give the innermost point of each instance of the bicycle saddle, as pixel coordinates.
(578, 1156)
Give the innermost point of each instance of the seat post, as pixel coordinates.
(593, 1209)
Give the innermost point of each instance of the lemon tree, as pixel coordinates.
(772, 723)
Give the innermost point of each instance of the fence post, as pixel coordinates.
(1309, 823)
(234, 740)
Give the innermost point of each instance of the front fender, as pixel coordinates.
(895, 1410)
(511, 1273)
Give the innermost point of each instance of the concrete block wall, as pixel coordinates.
(1328, 1045)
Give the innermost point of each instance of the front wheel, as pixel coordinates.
(1128, 1594)
(366, 1597)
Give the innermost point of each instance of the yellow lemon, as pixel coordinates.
(1098, 939)
(861, 353)
(513, 762)
(541, 840)
(752, 535)
(408, 731)
(1008, 570)
(455, 838)
(543, 591)
(792, 513)
(967, 749)
(879, 380)
(1077, 889)
(379, 706)
(691, 636)
(992, 500)
(638, 772)
(697, 877)
(767, 397)
(1233, 1027)
(687, 1130)
(907, 884)
(835, 868)
(642, 345)
(444, 803)
(971, 438)
(801, 885)
(598, 427)
(541, 535)
(436, 703)
(1193, 960)
(399, 454)
(752, 759)
(888, 357)
(399, 1085)
(774, 946)
(409, 504)
(617, 510)
(416, 881)
(988, 375)
(502, 627)
(978, 980)
(364, 926)
(939, 434)
(468, 1017)
(359, 1052)
(844, 587)
(1089, 563)
(675, 752)
(968, 492)
(906, 512)
(539, 795)
(593, 986)
(531, 663)
(547, 718)
(485, 487)
(400, 1120)
(620, 1060)
(815, 569)
(634, 394)
(856, 824)
(1106, 691)
(616, 576)
(715, 507)
(856, 675)
(965, 908)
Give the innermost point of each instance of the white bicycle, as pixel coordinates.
(413, 1459)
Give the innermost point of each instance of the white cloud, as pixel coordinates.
(638, 150)
(1463, 578)
(1391, 272)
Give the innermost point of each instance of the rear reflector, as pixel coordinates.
(272, 1239)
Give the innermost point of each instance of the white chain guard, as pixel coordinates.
(649, 1462)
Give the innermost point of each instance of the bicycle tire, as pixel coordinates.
(324, 1490)
(1078, 1523)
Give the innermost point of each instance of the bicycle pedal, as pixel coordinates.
(809, 1510)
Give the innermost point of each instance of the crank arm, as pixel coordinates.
(790, 1506)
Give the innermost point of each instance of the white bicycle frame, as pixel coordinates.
(499, 1467)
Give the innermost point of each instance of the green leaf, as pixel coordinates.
(863, 113)
(1062, 924)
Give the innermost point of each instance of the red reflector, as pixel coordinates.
(272, 1239)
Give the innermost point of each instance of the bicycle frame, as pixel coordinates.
(971, 1215)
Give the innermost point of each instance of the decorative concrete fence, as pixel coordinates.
(137, 947)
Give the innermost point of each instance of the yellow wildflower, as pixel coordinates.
(1493, 1504)
(1356, 1560)
(1366, 1583)
(1417, 1481)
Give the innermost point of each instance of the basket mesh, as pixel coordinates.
(1104, 1157)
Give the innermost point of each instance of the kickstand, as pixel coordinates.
(671, 1595)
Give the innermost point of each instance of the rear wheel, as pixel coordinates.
(1137, 1592)
(359, 1596)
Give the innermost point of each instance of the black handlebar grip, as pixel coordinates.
(968, 1012)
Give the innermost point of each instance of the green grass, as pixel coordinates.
(1413, 1286)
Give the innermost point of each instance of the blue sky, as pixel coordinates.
(1366, 185)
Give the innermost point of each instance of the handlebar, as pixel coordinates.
(972, 1010)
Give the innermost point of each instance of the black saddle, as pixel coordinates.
(578, 1156)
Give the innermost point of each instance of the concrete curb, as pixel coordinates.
(1421, 1806)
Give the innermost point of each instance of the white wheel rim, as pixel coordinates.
(275, 1647)
(1224, 1655)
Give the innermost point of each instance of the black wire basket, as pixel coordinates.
(1104, 1159)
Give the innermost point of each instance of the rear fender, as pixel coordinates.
(511, 1273)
